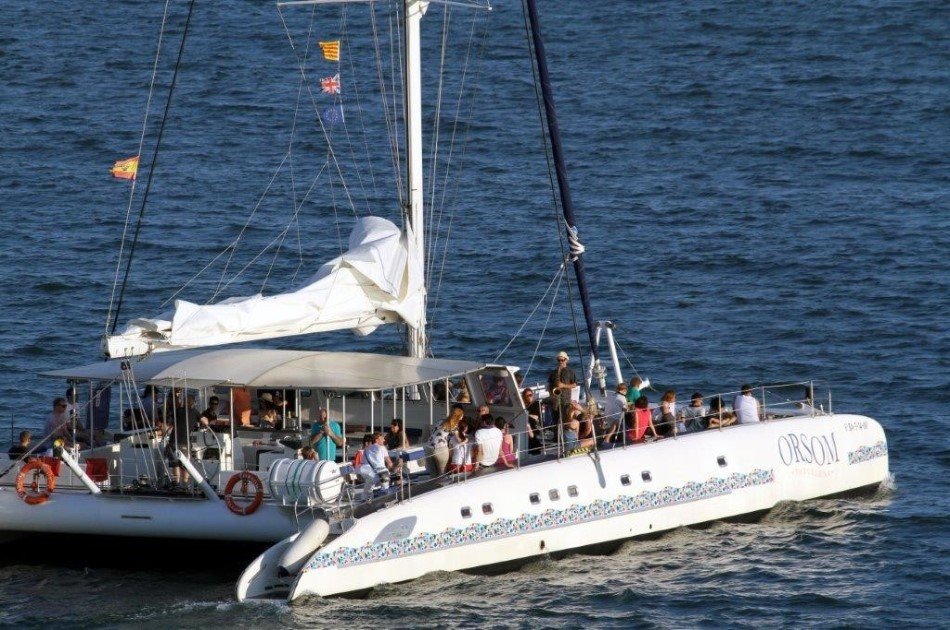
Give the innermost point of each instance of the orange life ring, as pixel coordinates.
(246, 479)
(32, 495)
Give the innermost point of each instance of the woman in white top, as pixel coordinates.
(461, 457)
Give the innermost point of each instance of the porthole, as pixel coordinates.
(535, 498)
(722, 461)
(572, 491)
(487, 508)
(625, 480)
(646, 476)
(466, 512)
(553, 494)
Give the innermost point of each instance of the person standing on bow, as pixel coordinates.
(561, 381)
(326, 436)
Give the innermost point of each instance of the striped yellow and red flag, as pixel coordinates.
(331, 50)
(125, 169)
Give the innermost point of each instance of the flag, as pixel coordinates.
(125, 169)
(331, 85)
(332, 115)
(331, 50)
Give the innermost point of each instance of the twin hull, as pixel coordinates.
(589, 499)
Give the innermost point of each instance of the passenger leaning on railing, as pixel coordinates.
(507, 456)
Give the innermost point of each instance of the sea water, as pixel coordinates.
(762, 189)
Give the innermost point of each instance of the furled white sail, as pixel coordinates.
(378, 280)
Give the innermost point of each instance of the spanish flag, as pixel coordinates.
(125, 169)
(331, 50)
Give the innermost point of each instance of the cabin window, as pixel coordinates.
(646, 476)
(572, 491)
(535, 498)
(722, 461)
(553, 494)
(466, 512)
(487, 508)
(625, 480)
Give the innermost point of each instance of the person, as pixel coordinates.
(268, 419)
(58, 424)
(460, 460)
(307, 452)
(535, 413)
(585, 432)
(633, 392)
(360, 456)
(18, 450)
(463, 396)
(506, 456)
(184, 415)
(326, 436)
(615, 407)
(396, 438)
(640, 421)
(377, 464)
(497, 393)
(571, 431)
(746, 406)
(437, 444)
(666, 414)
(718, 416)
(487, 442)
(209, 416)
(241, 412)
(561, 382)
(694, 416)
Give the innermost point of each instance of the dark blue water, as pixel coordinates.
(763, 191)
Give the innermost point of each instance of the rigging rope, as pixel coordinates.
(556, 277)
(151, 169)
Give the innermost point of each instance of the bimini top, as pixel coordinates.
(288, 369)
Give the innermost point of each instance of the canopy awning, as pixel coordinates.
(279, 369)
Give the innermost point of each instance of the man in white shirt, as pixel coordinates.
(487, 443)
(377, 465)
(746, 406)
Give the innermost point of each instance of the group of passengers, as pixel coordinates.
(469, 444)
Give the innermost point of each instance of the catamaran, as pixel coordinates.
(337, 529)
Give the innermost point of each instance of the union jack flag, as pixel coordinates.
(331, 85)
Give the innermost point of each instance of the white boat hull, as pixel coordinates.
(693, 479)
(77, 512)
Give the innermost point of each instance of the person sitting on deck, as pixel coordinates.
(585, 431)
(640, 421)
(507, 456)
(694, 417)
(269, 418)
(378, 465)
(487, 444)
(360, 456)
(718, 416)
(18, 450)
(747, 408)
(307, 452)
(460, 459)
(570, 433)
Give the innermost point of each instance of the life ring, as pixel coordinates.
(32, 495)
(246, 479)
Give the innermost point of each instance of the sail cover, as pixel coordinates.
(378, 280)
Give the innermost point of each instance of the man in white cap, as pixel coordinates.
(561, 381)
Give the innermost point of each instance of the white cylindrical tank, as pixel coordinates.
(305, 481)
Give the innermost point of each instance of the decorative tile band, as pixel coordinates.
(867, 453)
(549, 519)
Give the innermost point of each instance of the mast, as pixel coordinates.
(414, 10)
(567, 205)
